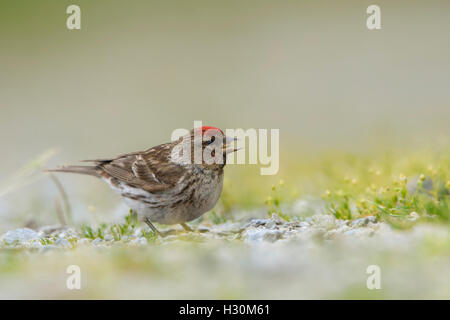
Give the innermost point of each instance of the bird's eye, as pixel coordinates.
(213, 138)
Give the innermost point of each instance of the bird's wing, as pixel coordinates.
(141, 170)
(148, 171)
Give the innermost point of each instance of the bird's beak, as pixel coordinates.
(229, 145)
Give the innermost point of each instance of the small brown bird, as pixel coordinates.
(167, 183)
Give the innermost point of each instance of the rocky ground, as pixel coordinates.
(271, 230)
(313, 257)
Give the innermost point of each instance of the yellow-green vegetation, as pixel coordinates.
(391, 185)
(116, 230)
(273, 202)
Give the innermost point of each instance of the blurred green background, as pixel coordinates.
(139, 69)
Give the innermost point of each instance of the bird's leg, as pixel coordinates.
(186, 227)
(150, 224)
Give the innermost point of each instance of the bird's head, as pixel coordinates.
(215, 146)
(208, 147)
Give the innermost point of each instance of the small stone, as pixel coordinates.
(257, 223)
(203, 229)
(69, 233)
(138, 241)
(342, 223)
(96, 241)
(109, 237)
(20, 236)
(262, 234)
(270, 225)
(304, 224)
(362, 222)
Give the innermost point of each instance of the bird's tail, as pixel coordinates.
(88, 170)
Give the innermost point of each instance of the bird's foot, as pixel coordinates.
(163, 233)
(169, 232)
(186, 227)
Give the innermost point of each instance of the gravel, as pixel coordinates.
(308, 257)
(20, 237)
(257, 230)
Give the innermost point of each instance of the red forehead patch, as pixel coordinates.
(207, 128)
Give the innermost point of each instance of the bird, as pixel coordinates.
(168, 183)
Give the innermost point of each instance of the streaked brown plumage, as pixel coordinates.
(162, 184)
